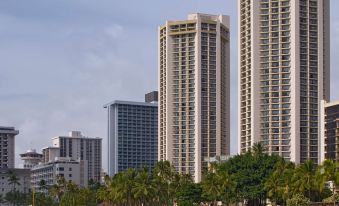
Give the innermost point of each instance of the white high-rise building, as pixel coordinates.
(78, 147)
(284, 73)
(194, 79)
(7, 146)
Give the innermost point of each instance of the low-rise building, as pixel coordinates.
(31, 158)
(23, 176)
(71, 170)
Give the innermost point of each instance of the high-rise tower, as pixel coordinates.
(194, 105)
(283, 74)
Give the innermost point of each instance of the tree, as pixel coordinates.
(298, 200)
(328, 172)
(188, 193)
(142, 189)
(58, 189)
(304, 178)
(13, 180)
(250, 171)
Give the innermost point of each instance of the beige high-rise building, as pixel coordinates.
(194, 105)
(283, 75)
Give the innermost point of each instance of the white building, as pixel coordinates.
(23, 176)
(194, 92)
(7, 146)
(31, 158)
(284, 73)
(71, 170)
(78, 147)
(50, 153)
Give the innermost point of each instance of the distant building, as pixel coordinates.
(132, 135)
(330, 130)
(50, 153)
(78, 147)
(151, 97)
(7, 148)
(31, 158)
(24, 180)
(71, 170)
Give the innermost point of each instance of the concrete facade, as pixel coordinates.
(31, 158)
(194, 92)
(72, 170)
(132, 135)
(24, 180)
(330, 131)
(283, 75)
(7, 146)
(78, 147)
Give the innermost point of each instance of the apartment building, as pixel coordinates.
(78, 147)
(284, 73)
(194, 92)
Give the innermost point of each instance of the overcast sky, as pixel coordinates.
(61, 61)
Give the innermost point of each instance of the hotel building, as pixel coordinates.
(194, 79)
(283, 75)
(132, 135)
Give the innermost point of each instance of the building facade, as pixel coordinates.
(194, 93)
(132, 135)
(330, 130)
(72, 170)
(23, 176)
(50, 153)
(78, 147)
(152, 97)
(31, 158)
(283, 75)
(7, 146)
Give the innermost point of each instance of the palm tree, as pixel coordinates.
(164, 176)
(304, 178)
(211, 187)
(13, 180)
(142, 189)
(328, 172)
(58, 189)
(43, 185)
(258, 149)
(272, 186)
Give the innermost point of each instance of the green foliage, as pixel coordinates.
(252, 177)
(298, 200)
(333, 198)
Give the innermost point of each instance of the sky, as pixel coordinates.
(61, 61)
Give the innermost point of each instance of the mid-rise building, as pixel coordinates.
(78, 147)
(31, 158)
(72, 170)
(284, 73)
(132, 135)
(23, 176)
(194, 92)
(7, 146)
(330, 130)
(50, 153)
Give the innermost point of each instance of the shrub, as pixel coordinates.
(298, 200)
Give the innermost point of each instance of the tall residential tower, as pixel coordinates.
(283, 74)
(194, 105)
